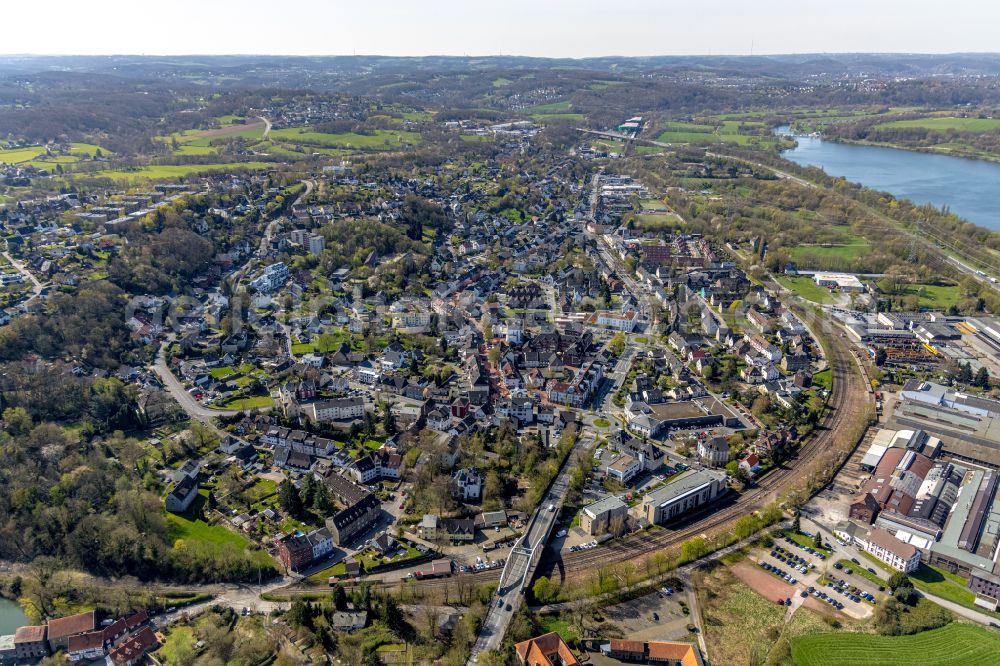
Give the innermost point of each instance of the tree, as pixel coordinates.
(389, 420)
(880, 357)
(817, 540)
(289, 498)
(982, 378)
(544, 590)
(693, 549)
(617, 344)
(796, 523)
(899, 579)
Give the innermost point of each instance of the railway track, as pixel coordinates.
(848, 395)
(846, 406)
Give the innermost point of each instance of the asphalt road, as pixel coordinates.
(187, 402)
(522, 561)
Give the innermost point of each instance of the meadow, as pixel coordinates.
(37, 156)
(806, 287)
(552, 107)
(952, 645)
(377, 139)
(941, 123)
(168, 171)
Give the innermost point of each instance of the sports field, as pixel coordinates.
(952, 645)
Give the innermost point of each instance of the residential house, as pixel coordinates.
(750, 465)
(714, 451)
(467, 484)
(348, 524)
(623, 469)
(545, 650)
(183, 494)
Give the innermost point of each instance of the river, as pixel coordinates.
(11, 617)
(968, 187)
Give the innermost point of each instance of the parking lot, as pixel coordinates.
(653, 617)
(811, 573)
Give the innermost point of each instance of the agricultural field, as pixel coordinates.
(952, 645)
(944, 123)
(40, 157)
(378, 139)
(169, 171)
(552, 107)
(727, 131)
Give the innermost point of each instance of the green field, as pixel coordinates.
(203, 138)
(672, 136)
(823, 379)
(948, 586)
(942, 123)
(553, 107)
(377, 139)
(549, 117)
(254, 402)
(857, 246)
(169, 171)
(935, 295)
(806, 287)
(37, 156)
(180, 640)
(955, 644)
(189, 528)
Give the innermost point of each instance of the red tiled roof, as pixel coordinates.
(133, 647)
(682, 652)
(88, 641)
(136, 619)
(536, 651)
(619, 645)
(31, 634)
(62, 627)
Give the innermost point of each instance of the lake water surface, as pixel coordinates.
(971, 188)
(11, 617)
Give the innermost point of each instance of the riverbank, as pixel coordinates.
(930, 150)
(963, 185)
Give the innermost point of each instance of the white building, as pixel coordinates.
(337, 409)
(467, 484)
(887, 548)
(843, 281)
(273, 277)
(620, 321)
(316, 244)
(623, 468)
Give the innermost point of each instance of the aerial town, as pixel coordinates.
(493, 366)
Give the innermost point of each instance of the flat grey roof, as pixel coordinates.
(606, 504)
(948, 545)
(683, 485)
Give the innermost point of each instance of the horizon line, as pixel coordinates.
(499, 55)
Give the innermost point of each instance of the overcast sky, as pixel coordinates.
(558, 28)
